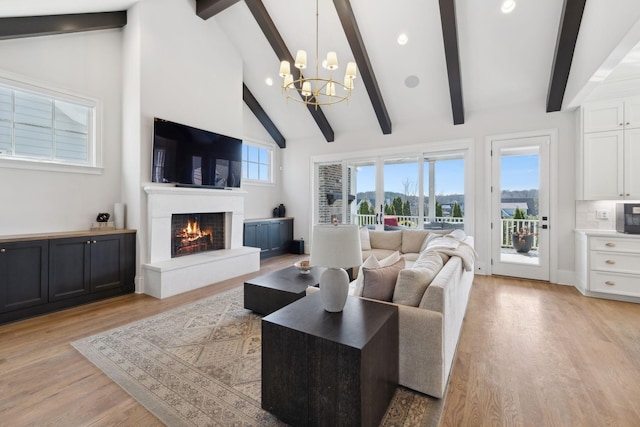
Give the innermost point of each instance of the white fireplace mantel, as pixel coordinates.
(164, 276)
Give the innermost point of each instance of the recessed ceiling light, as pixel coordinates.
(411, 82)
(403, 39)
(269, 81)
(508, 6)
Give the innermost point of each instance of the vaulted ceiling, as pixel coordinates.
(462, 56)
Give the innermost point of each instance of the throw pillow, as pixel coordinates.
(372, 262)
(379, 283)
(365, 241)
(413, 282)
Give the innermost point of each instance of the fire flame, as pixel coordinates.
(192, 232)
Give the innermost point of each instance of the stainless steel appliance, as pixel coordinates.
(628, 218)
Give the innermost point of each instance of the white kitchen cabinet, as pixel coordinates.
(608, 265)
(611, 115)
(610, 165)
(603, 165)
(632, 164)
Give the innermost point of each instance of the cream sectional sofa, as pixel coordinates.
(428, 332)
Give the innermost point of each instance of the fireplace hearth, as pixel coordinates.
(196, 233)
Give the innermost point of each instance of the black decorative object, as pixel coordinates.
(103, 217)
(276, 212)
(281, 210)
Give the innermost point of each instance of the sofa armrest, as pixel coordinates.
(421, 350)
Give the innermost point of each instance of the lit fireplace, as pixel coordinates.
(195, 233)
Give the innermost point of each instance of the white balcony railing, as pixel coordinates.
(410, 221)
(509, 225)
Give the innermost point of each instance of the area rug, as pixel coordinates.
(199, 365)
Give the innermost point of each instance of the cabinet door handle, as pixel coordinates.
(94, 241)
(609, 283)
(88, 242)
(3, 250)
(610, 261)
(610, 245)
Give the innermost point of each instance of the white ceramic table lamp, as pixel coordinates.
(335, 247)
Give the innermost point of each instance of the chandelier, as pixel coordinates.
(317, 90)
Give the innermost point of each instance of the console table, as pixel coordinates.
(321, 368)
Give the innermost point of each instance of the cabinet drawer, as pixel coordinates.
(615, 261)
(614, 244)
(614, 283)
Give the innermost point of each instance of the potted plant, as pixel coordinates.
(523, 239)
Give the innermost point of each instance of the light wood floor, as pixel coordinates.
(530, 353)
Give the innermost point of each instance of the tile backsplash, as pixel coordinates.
(587, 211)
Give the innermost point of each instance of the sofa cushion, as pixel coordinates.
(365, 242)
(410, 257)
(413, 282)
(391, 240)
(380, 282)
(412, 240)
(372, 262)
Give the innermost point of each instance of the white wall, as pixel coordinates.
(261, 199)
(180, 68)
(297, 170)
(86, 64)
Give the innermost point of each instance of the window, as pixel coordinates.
(444, 193)
(44, 126)
(256, 163)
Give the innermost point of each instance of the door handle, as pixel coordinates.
(544, 226)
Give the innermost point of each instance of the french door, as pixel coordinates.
(520, 207)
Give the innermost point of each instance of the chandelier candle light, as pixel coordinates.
(317, 90)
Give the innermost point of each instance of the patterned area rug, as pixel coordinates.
(199, 365)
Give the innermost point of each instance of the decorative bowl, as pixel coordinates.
(303, 266)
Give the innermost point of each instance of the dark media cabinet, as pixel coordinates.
(49, 272)
(273, 235)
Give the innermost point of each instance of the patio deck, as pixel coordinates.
(510, 255)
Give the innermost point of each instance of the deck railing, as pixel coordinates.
(509, 225)
(410, 221)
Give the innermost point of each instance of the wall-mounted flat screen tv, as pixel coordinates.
(191, 157)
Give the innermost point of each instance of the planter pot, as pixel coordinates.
(524, 244)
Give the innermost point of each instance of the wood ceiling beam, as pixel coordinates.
(205, 9)
(351, 30)
(270, 31)
(262, 116)
(452, 56)
(568, 30)
(33, 26)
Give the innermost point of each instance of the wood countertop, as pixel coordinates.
(61, 235)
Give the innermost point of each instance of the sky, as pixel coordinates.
(517, 172)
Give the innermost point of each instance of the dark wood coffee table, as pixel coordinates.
(321, 368)
(266, 294)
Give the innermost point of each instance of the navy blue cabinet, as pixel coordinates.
(23, 274)
(62, 270)
(272, 236)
